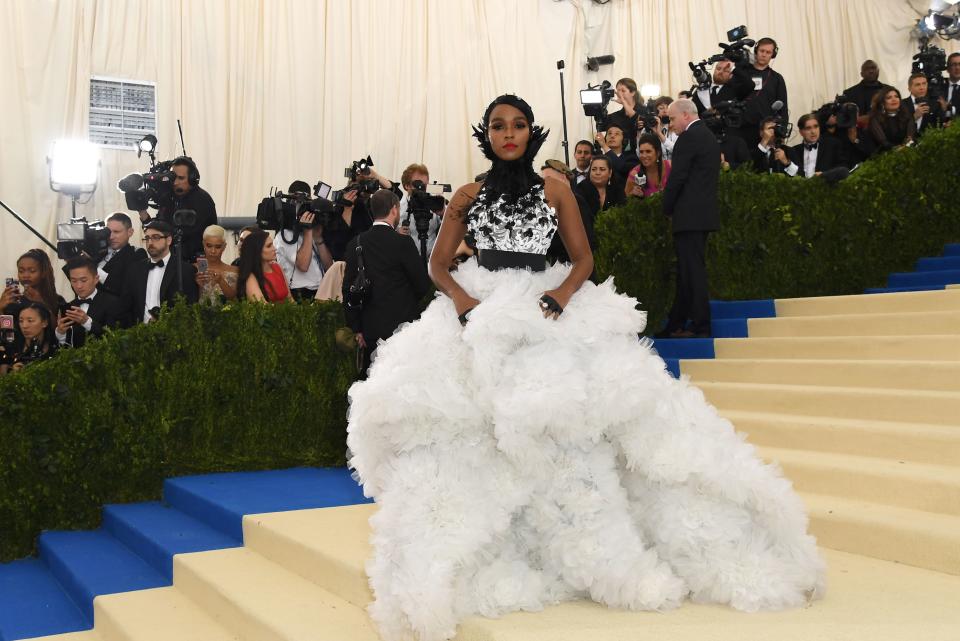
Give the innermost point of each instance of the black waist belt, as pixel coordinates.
(494, 259)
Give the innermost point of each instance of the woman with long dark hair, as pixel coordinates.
(547, 454)
(35, 275)
(603, 189)
(650, 176)
(38, 339)
(261, 277)
(891, 124)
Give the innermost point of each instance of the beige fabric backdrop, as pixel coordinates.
(272, 90)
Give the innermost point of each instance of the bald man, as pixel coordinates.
(862, 93)
(690, 200)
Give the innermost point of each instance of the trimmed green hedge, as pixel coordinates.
(785, 237)
(244, 387)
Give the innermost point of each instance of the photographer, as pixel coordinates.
(416, 172)
(769, 156)
(187, 195)
(112, 269)
(768, 88)
(611, 146)
(397, 275)
(626, 118)
(92, 310)
(302, 253)
(667, 137)
(815, 154)
(862, 93)
(354, 219)
(38, 342)
(728, 85)
(927, 114)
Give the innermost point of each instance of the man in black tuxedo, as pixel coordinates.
(926, 112)
(582, 155)
(769, 155)
(154, 281)
(397, 275)
(690, 199)
(951, 102)
(92, 310)
(816, 154)
(729, 84)
(112, 268)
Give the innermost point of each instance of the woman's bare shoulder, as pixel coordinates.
(463, 199)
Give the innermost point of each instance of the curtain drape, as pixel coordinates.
(273, 90)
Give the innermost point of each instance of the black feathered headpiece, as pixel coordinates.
(511, 178)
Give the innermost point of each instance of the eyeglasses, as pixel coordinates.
(153, 239)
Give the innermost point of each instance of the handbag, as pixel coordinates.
(360, 287)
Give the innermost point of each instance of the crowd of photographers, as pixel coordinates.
(743, 101)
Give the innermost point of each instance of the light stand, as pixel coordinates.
(563, 109)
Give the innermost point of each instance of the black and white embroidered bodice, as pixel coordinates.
(527, 225)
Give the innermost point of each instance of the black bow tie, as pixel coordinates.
(83, 301)
(811, 146)
(159, 263)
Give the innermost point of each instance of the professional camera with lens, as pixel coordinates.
(845, 110)
(725, 115)
(281, 211)
(594, 100)
(425, 201)
(358, 174)
(736, 51)
(931, 61)
(154, 188)
(81, 237)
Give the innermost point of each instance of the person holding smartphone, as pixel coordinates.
(651, 175)
(216, 279)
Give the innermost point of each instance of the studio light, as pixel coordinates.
(74, 167)
(148, 143)
(650, 91)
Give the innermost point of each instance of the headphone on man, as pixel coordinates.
(767, 40)
(193, 174)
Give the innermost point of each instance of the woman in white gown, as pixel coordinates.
(534, 450)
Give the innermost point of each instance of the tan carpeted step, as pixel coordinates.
(256, 599)
(86, 635)
(888, 348)
(300, 540)
(160, 614)
(953, 286)
(920, 375)
(914, 537)
(931, 301)
(915, 442)
(878, 324)
(910, 406)
(916, 486)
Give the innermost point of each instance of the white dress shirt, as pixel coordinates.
(432, 230)
(154, 279)
(952, 90)
(810, 160)
(287, 257)
(790, 170)
(106, 259)
(918, 119)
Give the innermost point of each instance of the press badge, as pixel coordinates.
(757, 83)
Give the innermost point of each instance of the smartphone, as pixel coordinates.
(202, 265)
(13, 282)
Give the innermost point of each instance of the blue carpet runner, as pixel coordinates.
(134, 547)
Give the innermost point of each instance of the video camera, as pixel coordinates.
(736, 51)
(594, 100)
(931, 61)
(845, 110)
(781, 128)
(358, 175)
(154, 188)
(280, 211)
(81, 237)
(726, 114)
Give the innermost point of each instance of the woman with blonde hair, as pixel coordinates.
(216, 279)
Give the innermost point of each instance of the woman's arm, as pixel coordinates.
(452, 230)
(253, 291)
(574, 239)
(229, 291)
